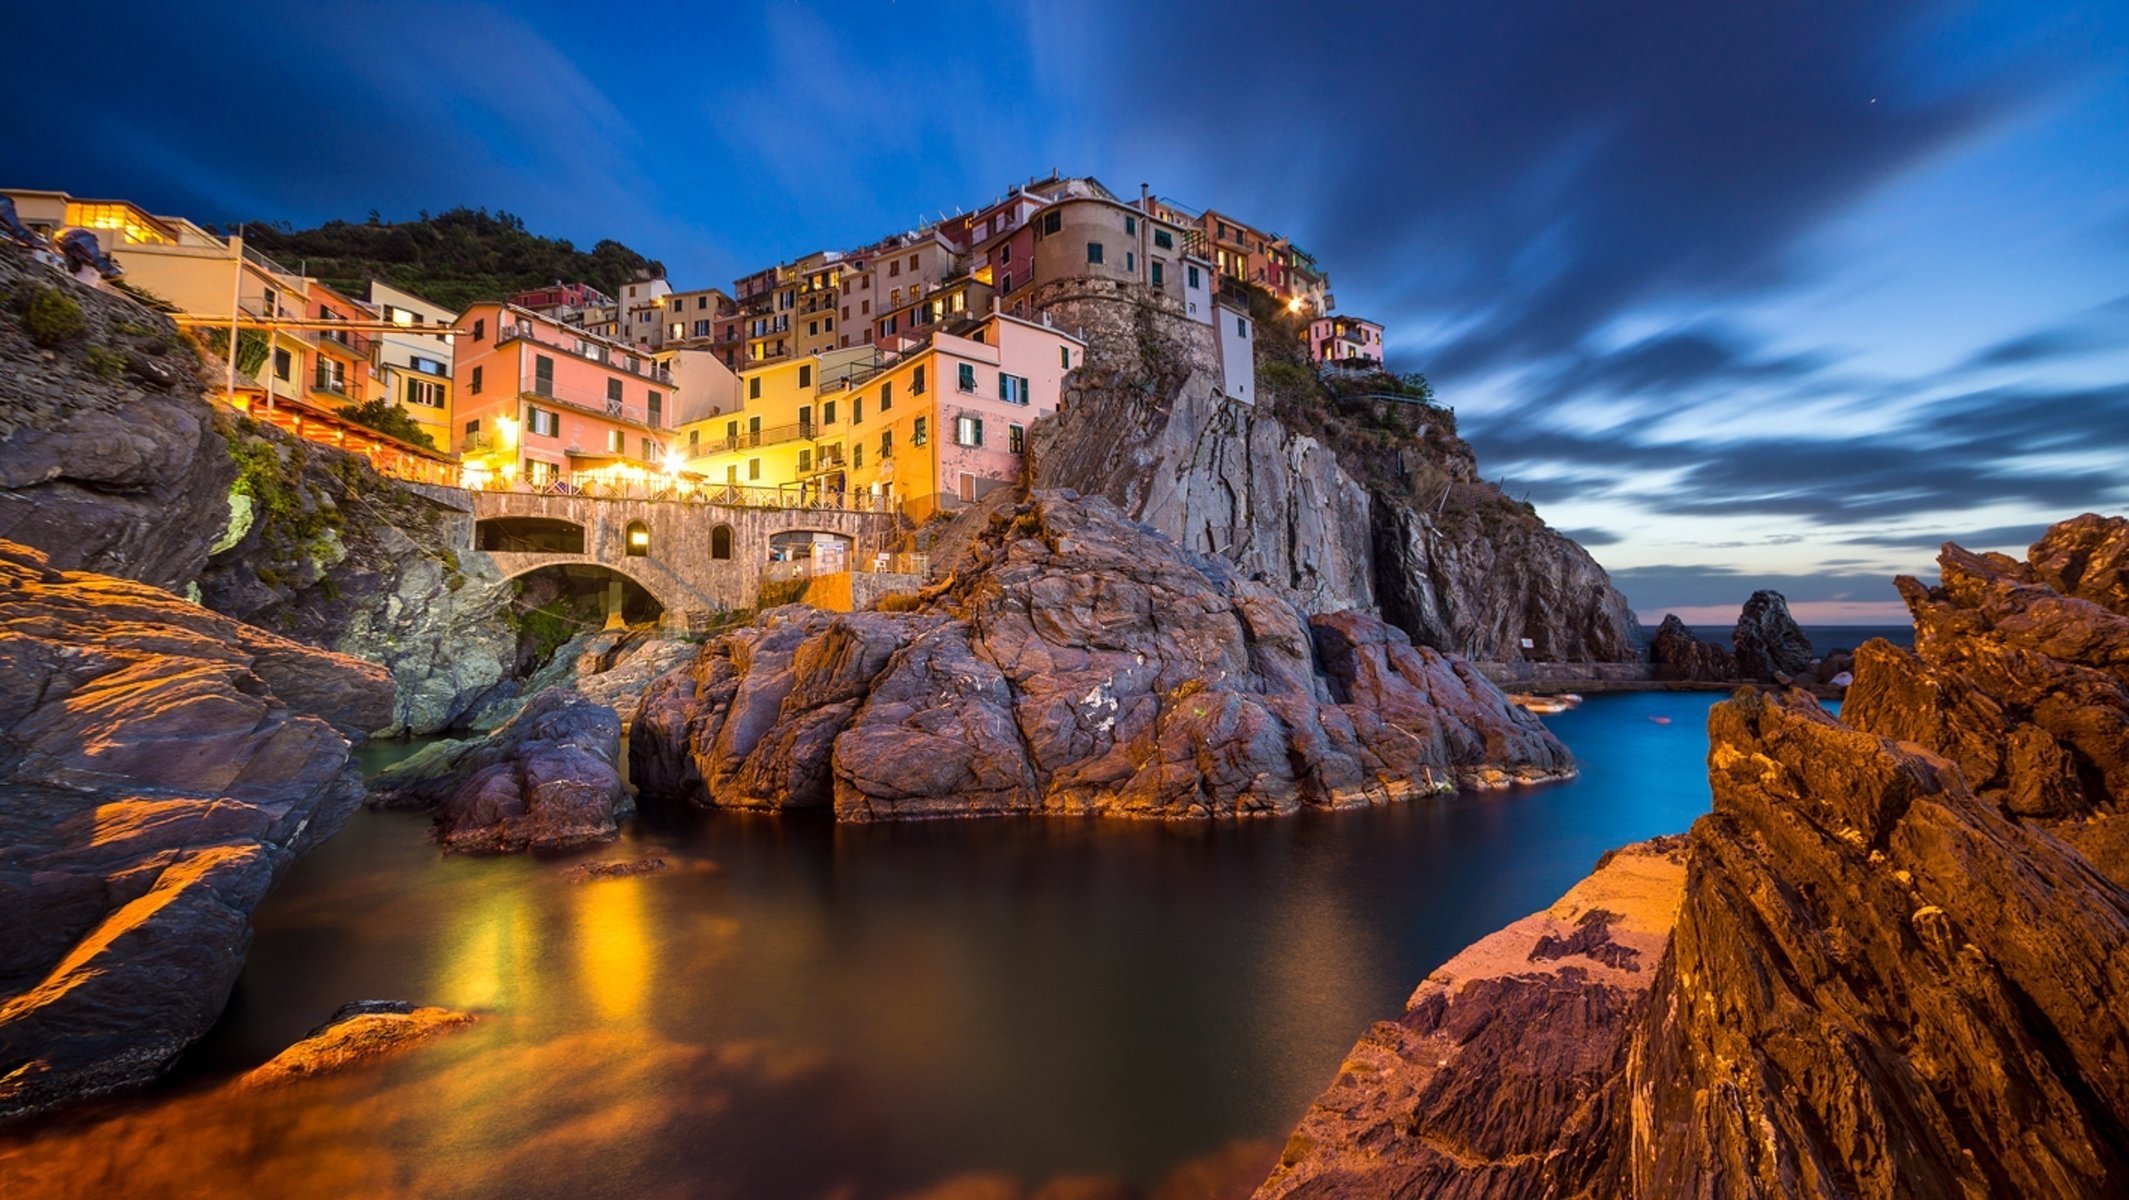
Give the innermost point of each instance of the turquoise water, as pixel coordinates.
(798, 1007)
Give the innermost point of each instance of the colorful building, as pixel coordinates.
(1345, 340)
(414, 360)
(540, 402)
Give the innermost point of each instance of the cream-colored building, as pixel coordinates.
(414, 359)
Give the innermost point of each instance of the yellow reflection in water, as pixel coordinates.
(614, 955)
(491, 959)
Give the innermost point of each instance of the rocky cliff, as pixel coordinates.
(1077, 663)
(1894, 960)
(322, 549)
(160, 766)
(1337, 499)
(109, 458)
(1767, 643)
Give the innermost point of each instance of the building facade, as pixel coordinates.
(1345, 340)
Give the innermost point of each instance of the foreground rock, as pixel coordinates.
(1768, 645)
(547, 780)
(1898, 957)
(1675, 654)
(363, 1030)
(160, 766)
(1078, 663)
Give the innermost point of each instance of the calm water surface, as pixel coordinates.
(799, 1007)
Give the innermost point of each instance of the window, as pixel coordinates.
(694, 442)
(1051, 221)
(1130, 226)
(1191, 276)
(753, 431)
(967, 379)
(857, 454)
(1131, 261)
(639, 539)
(805, 375)
(541, 471)
(968, 431)
(731, 476)
(270, 303)
(475, 387)
(1013, 389)
(887, 444)
(678, 303)
(857, 410)
(1064, 357)
(813, 329)
(917, 432)
(1016, 439)
(1093, 252)
(1005, 282)
(427, 366)
(754, 388)
(543, 375)
(828, 413)
(1005, 253)
(753, 469)
(828, 324)
(894, 271)
(480, 329)
(615, 440)
(613, 397)
(650, 450)
(1164, 239)
(544, 422)
(657, 409)
(702, 329)
(805, 417)
(1157, 272)
(426, 392)
(1242, 327)
(864, 307)
(805, 461)
(285, 364)
(887, 391)
(721, 542)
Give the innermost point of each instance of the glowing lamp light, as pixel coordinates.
(639, 538)
(507, 426)
(672, 462)
(1294, 305)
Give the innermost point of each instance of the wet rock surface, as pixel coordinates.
(547, 780)
(360, 1031)
(1674, 653)
(1767, 644)
(1077, 663)
(160, 767)
(1897, 954)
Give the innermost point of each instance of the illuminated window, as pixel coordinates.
(639, 539)
(1016, 439)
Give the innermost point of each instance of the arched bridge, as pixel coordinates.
(693, 557)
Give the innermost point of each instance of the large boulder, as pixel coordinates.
(1767, 643)
(1675, 654)
(160, 767)
(1894, 965)
(547, 780)
(1078, 663)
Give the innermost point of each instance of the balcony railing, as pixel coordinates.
(748, 439)
(838, 561)
(542, 392)
(664, 487)
(341, 341)
(335, 385)
(476, 443)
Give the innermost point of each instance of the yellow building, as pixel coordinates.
(768, 440)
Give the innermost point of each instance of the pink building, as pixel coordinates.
(539, 401)
(1345, 340)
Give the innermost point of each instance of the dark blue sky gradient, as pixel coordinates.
(1741, 292)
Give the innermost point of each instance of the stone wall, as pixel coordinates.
(1129, 328)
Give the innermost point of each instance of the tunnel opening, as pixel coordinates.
(529, 535)
(560, 603)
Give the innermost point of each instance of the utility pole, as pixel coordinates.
(236, 308)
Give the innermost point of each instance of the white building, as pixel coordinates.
(1238, 357)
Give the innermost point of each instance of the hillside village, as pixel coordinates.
(899, 376)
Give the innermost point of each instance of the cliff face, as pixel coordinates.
(160, 766)
(1077, 663)
(109, 458)
(1898, 952)
(1339, 503)
(324, 550)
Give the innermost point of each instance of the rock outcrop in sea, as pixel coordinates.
(1675, 654)
(1894, 958)
(549, 779)
(160, 767)
(1767, 643)
(1077, 662)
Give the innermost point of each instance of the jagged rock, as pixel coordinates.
(360, 1031)
(1767, 642)
(609, 667)
(1897, 958)
(547, 780)
(125, 476)
(342, 557)
(1256, 486)
(1675, 653)
(160, 766)
(1078, 663)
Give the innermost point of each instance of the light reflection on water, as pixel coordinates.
(797, 1008)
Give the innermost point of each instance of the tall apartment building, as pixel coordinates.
(888, 275)
(538, 401)
(642, 310)
(414, 360)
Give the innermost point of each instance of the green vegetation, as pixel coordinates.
(453, 258)
(388, 418)
(252, 349)
(106, 363)
(545, 628)
(52, 317)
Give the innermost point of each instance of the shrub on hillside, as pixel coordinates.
(52, 318)
(388, 418)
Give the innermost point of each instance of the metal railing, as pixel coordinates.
(606, 355)
(748, 439)
(730, 495)
(604, 406)
(833, 561)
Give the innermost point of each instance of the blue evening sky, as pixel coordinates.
(1742, 295)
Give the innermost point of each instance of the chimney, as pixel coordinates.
(1145, 198)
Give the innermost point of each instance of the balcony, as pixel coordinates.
(479, 443)
(749, 439)
(335, 385)
(542, 392)
(341, 341)
(608, 355)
